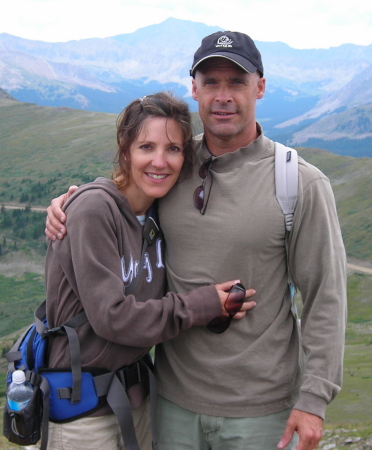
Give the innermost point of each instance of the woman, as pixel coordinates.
(103, 268)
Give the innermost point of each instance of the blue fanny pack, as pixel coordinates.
(61, 409)
(63, 395)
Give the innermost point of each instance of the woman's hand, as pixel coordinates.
(246, 306)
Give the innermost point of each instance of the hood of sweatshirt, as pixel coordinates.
(110, 187)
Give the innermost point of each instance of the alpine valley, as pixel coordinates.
(314, 98)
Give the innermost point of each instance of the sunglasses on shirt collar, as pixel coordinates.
(200, 201)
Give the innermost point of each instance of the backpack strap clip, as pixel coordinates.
(59, 331)
(131, 375)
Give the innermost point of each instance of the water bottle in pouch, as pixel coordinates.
(20, 392)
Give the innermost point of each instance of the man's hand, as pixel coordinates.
(56, 217)
(309, 428)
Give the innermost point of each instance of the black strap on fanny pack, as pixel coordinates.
(36, 379)
(115, 385)
(69, 329)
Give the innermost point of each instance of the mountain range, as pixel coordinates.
(316, 97)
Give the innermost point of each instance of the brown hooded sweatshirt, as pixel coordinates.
(89, 270)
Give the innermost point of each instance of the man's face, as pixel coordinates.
(227, 101)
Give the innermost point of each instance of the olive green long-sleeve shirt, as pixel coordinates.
(260, 365)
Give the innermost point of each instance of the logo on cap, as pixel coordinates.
(224, 41)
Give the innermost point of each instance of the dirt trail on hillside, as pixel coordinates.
(365, 270)
(32, 208)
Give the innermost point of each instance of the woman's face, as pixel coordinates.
(156, 159)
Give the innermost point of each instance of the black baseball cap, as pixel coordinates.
(237, 47)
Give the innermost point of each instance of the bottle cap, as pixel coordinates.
(18, 377)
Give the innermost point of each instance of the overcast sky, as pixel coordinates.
(299, 23)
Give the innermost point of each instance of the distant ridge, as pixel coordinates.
(307, 90)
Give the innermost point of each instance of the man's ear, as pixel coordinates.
(261, 85)
(194, 93)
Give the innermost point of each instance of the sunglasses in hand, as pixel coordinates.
(233, 305)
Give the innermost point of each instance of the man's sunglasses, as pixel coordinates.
(199, 194)
(233, 305)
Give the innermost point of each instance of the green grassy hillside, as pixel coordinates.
(351, 180)
(44, 150)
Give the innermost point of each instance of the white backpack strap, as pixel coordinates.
(286, 186)
(286, 181)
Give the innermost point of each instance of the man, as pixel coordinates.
(257, 384)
